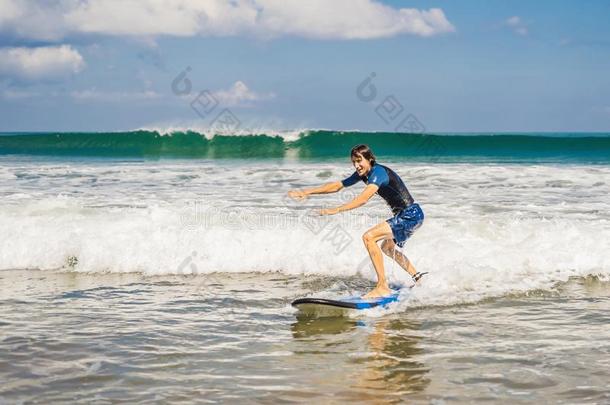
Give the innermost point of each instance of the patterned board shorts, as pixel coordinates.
(405, 223)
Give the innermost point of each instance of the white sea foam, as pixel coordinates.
(489, 230)
(209, 132)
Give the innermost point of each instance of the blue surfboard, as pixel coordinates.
(325, 305)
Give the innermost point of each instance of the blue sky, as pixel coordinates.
(455, 66)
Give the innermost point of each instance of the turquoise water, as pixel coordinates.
(523, 147)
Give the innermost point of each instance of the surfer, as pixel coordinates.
(408, 216)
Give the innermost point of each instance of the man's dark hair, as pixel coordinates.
(364, 151)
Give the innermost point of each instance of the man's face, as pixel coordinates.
(361, 165)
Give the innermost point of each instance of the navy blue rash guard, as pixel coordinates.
(391, 187)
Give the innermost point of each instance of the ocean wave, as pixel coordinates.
(313, 144)
(468, 258)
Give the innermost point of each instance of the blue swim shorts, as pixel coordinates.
(405, 223)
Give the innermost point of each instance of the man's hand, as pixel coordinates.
(328, 211)
(297, 194)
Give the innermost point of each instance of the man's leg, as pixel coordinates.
(389, 248)
(370, 238)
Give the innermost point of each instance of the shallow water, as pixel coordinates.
(107, 338)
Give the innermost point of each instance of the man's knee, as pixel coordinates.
(368, 238)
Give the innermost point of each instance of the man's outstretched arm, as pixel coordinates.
(323, 189)
(360, 200)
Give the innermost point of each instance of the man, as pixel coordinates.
(408, 216)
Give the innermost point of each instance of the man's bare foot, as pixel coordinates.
(379, 291)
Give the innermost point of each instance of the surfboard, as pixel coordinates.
(314, 305)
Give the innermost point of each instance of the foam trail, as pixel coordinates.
(489, 229)
(468, 259)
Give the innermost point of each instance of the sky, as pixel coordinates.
(259, 65)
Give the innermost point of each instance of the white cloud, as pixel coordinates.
(517, 25)
(137, 17)
(348, 19)
(319, 19)
(9, 11)
(33, 19)
(239, 95)
(41, 62)
(112, 96)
